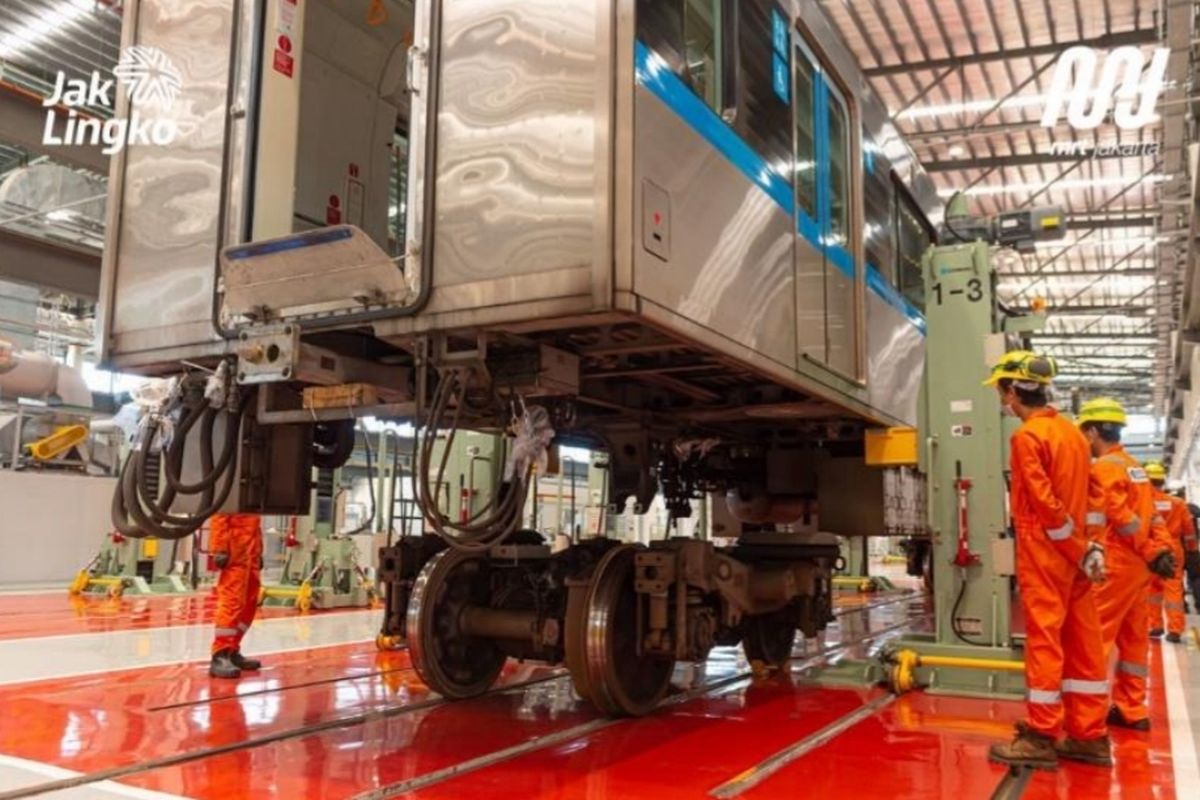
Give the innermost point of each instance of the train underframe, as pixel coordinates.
(619, 615)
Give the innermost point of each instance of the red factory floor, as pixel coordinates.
(330, 717)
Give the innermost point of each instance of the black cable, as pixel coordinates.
(962, 590)
(371, 482)
(493, 523)
(138, 510)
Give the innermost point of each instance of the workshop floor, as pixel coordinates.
(111, 699)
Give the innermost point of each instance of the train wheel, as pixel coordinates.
(450, 662)
(768, 638)
(602, 648)
(575, 636)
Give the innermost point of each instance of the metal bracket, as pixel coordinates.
(267, 353)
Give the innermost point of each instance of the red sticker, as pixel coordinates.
(285, 44)
(333, 216)
(335, 201)
(353, 170)
(283, 63)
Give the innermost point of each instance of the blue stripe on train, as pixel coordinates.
(653, 73)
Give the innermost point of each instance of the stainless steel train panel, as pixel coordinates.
(896, 352)
(811, 314)
(522, 171)
(159, 263)
(730, 268)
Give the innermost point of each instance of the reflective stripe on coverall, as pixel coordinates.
(1134, 534)
(1064, 658)
(239, 535)
(1167, 594)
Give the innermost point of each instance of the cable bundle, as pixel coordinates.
(138, 510)
(502, 515)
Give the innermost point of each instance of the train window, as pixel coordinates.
(806, 134)
(878, 197)
(688, 36)
(397, 193)
(913, 238)
(701, 33)
(660, 27)
(764, 108)
(839, 177)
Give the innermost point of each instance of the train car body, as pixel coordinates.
(686, 228)
(582, 181)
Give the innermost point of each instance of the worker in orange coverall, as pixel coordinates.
(236, 548)
(1065, 673)
(1122, 500)
(1167, 593)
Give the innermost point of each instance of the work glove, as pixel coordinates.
(1093, 563)
(221, 560)
(1163, 564)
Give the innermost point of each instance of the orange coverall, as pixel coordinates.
(1134, 535)
(239, 535)
(1168, 592)
(1064, 657)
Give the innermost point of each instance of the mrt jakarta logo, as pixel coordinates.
(1125, 85)
(152, 83)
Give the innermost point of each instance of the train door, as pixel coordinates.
(826, 270)
(841, 273)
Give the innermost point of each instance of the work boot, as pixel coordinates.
(245, 664)
(223, 665)
(1156, 633)
(1115, 717)
(1174, 638)
(1027, 749)
(1089, 751)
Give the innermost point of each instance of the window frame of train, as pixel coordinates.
(905, 203)
(828, 100)
(663, 26)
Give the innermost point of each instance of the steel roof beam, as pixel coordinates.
(1137, 37)
(1018, 160)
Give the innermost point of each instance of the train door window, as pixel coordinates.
(804, 88)
(913, 238)
(839, 176)
(701, 35)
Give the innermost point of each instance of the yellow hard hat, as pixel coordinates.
(1102, 409)
(1027, 369)
(1155, 471)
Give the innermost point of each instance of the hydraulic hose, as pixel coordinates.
(493, 523)
(138, 510)
(371, 484)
